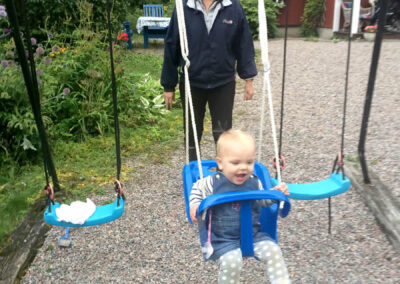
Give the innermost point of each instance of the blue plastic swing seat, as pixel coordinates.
(269, 215)
(103, 214)
(332, 186)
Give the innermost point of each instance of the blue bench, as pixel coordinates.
(153, 31)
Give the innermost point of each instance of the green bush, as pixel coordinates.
(271, 9)
(18, 128)
(76, 94)
(313, 13)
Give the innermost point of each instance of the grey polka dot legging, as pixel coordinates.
(230, 264)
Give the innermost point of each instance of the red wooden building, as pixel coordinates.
(333, 16)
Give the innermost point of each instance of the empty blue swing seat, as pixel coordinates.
(332, 186)
(103, 214)
(269, 215)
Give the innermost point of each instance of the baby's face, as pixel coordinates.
(236, 161)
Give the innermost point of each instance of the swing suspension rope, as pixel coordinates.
(114, 93)
(29, 74)
(263, 34)
(338, 162)
(188, 96)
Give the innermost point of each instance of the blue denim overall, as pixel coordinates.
(225, 218)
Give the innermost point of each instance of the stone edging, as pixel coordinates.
(26, 240)
(380, 200)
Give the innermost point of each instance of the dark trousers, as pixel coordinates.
(220, 102)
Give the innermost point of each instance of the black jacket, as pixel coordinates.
(212, 56)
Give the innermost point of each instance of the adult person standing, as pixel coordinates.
(220, 43)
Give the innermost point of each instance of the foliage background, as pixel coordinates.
(46, 15)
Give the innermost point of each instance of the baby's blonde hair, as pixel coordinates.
(234, 135)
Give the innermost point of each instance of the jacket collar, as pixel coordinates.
(192, 4)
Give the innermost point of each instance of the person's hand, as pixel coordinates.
(193, 212)
(282, 187)
(169, 97)
(248, 90)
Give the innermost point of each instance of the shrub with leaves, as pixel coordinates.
(313, 13)
(271, 9)
(17, 125)
(141, 100)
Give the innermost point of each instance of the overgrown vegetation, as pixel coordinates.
(74, 78)
(46, 15)
(311, 19)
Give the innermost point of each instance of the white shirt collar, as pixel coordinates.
(191, 3)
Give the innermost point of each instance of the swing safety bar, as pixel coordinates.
(268, 219)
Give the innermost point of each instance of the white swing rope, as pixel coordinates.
(263, 35)
(188, 95)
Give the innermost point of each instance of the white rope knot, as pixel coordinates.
(267, 69)
(187, 61)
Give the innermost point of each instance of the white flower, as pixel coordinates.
(3, 12)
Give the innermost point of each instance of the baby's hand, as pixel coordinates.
(193, 212)
(282, 187)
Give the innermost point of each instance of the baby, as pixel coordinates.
(235, 159)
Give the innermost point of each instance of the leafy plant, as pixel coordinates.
(313, 13)
(17, 127)
(271, 9)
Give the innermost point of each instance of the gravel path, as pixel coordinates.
(153, 242)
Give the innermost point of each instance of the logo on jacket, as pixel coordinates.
(229, 22)
(236, 205)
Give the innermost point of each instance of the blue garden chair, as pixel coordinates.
(153, 31)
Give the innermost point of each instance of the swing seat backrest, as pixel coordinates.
(103, 214)
(153, 10)
(332, 186)
(269, 215)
